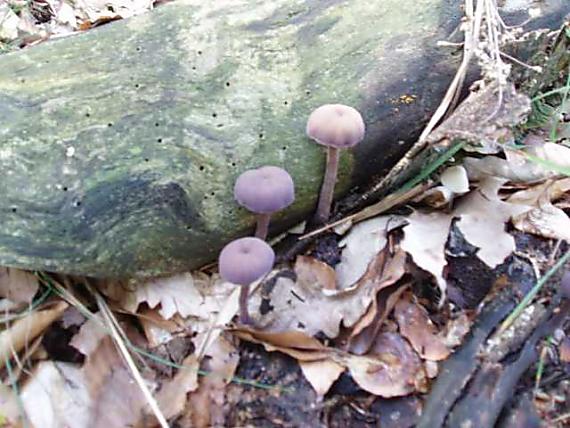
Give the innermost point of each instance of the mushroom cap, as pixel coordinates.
(265, 190)
(336, 125)
(245, 260)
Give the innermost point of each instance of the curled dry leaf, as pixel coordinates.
(56, 396)
(416, 326)
(304, 305)
(361, 246)
(521, 166)
(391, 369)
(18, 285)
(483, 216)
(546, 220)
(321, 374)
(366, 329)
(424, 239)
(26, 329)
(157, 330)
(531, 195)
(436, 197)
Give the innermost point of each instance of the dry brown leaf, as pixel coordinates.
(436, 197)
(483, 216)
(456, 329)
(173, 395)
(424, 239)
(565, 350)
(18, 285)
(157, 330)
(303, 305)
(315, 271)
(416, 326)
(56, 396)
(10, 414)
(531, 195)
(470, 120)
(518, 167)
(366, 330)
(546, 220)
(89, 335)
(391, 369)
(117, 401)
(175, 294)
(361, 246)
(321, 374)
(207, 402)
(26, 329)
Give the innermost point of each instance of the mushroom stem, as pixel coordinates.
(243, 311)
(327, 189)
(262, 226)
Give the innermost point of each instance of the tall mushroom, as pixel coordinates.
(242, 262)
(335, 126)
(264, 191)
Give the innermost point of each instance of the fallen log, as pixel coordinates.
(120, 145)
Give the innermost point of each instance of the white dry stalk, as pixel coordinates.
(114, 328)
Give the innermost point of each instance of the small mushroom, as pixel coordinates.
(335, 126)
(264, 191)
(242, 262)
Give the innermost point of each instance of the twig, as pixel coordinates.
(533, 292)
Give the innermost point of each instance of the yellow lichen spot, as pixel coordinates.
(407, 99)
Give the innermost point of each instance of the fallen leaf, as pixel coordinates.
(18, 285)
(531, 195)
(483, 216)
(425, 237)
(313, 270)
(361, 246)
(436, 197)
(26, 329)
(56, 396)
(415, 325)
(391, 369)
(10, 413)
(565, 350)
(157, 330)
(117, 400)
(207, 402)
(176, 294)
(545, 220)
(455, 179)
(89, 336)
(470, 122)
(321, 374)
(364, 333)
(8, 23)
(303, 305)
(173, 395)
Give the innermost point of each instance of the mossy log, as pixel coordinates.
(119, 147)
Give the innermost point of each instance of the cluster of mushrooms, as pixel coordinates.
(269, 189)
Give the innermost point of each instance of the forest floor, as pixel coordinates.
(410, 311)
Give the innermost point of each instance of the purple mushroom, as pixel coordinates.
(264, 191)
(242, 262)
(335, 126)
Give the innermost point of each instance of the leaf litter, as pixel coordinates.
(363, 316)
